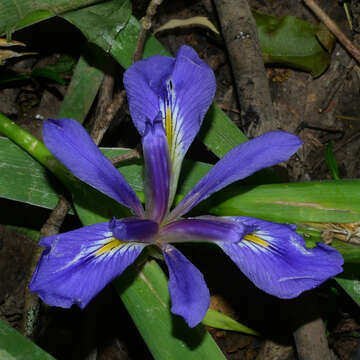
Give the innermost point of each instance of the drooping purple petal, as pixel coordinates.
(274, 257)
(69, 142)
(189, 294)
(157, 170)
(77, 265)
(181, 89)
(204, 229)
(240, 162)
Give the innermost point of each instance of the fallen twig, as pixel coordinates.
(348, 45)
(102, 116)
(115, 105)
(309, 332)
(133, 154)
(32, 301)
(241, 37)
(145, 25)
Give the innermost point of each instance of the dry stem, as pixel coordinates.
(241, 37)
(145, 25)
(32, 302)
(349, 46)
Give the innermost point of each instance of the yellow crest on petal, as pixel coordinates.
(169, 128)
(111, 244)
(256, 240)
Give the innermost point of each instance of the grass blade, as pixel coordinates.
(14, 346)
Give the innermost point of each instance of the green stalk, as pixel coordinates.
(34, 147)
(14, 346)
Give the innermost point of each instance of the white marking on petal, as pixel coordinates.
(80, 255)
(294, 278)
(298, 246)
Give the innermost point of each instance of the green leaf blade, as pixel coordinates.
(331, 161)
(147, 299)
(16, 14)
(14, 346)
(220, 321)
(292, 42)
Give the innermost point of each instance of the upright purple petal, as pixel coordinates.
(157, 171)
(189, 92)
(240, 162)
(204, 229)
(144, 82)
(77, 265)
(274, 257)
(189, 294)
(69, 142)
(181, 89)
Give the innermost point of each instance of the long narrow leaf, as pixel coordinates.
(318, 201)
(20, 13)
(145, 294)
(79, 95)
(332, 201)
(14, 346)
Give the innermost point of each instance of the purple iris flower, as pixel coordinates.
(168, 99)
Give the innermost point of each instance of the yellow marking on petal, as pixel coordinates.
(112, 244)
(256, 240)
(168, 127)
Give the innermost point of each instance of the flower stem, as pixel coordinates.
(34, 147)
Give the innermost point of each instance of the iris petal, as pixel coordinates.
(274, 257)
(189, 294)
(189, 93)
(144, 83)
(157, 165)
(204, 229)
(69, 142)
(77, 265)
(240, 162)
(181, 89)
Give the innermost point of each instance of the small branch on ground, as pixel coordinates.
(133, 154)
(275, 351)
(336, 88)
(343, 39)
(114, 106)
(102, 119)
(309, 329)
(241, 37)
(145, 25)
(32, 301)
